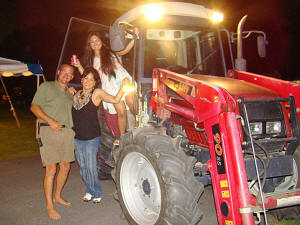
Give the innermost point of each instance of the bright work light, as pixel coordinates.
(217, 17)
(153, 13)
(128, 88)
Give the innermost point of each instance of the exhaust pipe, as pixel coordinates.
(240, 62)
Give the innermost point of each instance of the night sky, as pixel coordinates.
(33, 30)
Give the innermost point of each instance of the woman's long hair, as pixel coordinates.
(105, 55)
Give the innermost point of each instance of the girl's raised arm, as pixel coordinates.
(100, 95)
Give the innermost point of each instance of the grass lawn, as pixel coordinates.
(17, 142)
(289, 222)
(273, 221)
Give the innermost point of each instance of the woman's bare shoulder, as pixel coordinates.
(97, 91)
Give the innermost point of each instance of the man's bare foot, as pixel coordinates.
(52, 214)
(61, 201)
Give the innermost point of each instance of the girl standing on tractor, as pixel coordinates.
(99, 56)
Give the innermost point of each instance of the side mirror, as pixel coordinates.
(117, 38)
(261, 46)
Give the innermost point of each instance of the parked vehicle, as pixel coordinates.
(202, 123)
(201, 120)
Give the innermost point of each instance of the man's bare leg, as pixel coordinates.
(48, 188)
(64, 168)
(122, 117)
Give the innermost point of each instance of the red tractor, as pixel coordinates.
(207, 124)
(202, 120)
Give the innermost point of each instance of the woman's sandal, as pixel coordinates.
(96, 200)
(87, 197)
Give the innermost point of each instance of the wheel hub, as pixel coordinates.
(146, 187)
(141, 190)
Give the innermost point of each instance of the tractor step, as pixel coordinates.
(278, 200)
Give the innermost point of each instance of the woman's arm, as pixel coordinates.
(79, 67)
(130, 44)
(100, 95)
(126, 49)
(72, 90)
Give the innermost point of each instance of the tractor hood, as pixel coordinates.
(237, 88)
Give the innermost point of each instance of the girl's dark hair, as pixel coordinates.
(93, 71)
(105, 55)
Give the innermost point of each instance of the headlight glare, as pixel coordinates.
(256, 128)
(273, 127)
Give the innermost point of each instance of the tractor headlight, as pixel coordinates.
(273, 127)
(256, 128)
(217, 17)
(153, 12)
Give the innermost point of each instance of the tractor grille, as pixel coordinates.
(264, 111)
(271, 146)
(263, 116)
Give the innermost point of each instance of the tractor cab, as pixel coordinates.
(179, 37)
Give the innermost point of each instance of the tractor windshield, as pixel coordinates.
(182, 51)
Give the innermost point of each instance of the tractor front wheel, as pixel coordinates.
(155, 181)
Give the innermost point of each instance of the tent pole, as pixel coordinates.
(10, 102)
(64, 45)
(37, 82)
(36, 121)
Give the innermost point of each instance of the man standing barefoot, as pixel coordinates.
(52, 105)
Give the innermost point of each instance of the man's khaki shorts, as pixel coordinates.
(57, 146)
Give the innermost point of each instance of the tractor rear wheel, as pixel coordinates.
(155, 180)
(106, 142)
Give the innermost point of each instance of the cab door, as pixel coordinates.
(76, 40)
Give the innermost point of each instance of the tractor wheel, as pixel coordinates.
(284, 184)
(104, 170)
(297, 160)
(106, 141)
(155, 180)
(291, 213)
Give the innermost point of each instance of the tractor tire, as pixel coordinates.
(155, 180)
(290, 213)
(106, 141)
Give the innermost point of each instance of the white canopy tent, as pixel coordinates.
(14, 68)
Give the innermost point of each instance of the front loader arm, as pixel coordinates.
(282, 87)
(205, 100)
(212, 105)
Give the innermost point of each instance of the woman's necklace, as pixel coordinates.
(82, 99)
(83, 94)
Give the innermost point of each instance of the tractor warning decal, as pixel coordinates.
(181, 86)
(225, 194)
(223, 183)
(218, 149)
